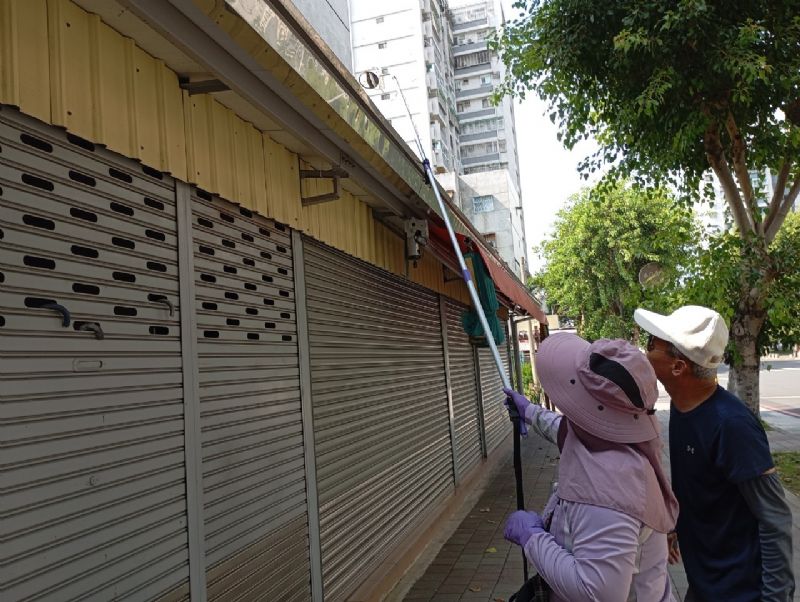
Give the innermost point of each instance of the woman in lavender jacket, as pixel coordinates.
(613, 507)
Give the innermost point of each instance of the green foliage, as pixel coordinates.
(713, 279)
(646, 78)
(601, 240)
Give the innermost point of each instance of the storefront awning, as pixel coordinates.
(508, 287)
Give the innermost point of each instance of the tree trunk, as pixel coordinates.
(743, 379)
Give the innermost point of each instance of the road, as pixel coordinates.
(780, 387)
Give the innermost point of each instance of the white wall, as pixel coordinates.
(331, 20)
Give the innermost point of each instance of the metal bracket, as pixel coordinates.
(334, 174)
(203, 87)
(416, 237)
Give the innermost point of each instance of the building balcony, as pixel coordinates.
(479, 68)
(479, 91)
(489, 135)
(466, 48)
(470, 24)
(491, 158)
(469, 115)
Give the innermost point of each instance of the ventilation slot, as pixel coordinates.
(250, 286)
(248, 261)
(228, 243)
(155, 235)
(2, 277)
(84, 215)
(280, 249)
(266, 255)
(209, 306)
(269, 324)
(230, 269)
(286, 337)
(123, 277)
(78, 141)
(154, 204)
(286, 316)
(123, 242)
(205, 250)
(232, 322)
(264, 232)
(280, 227)
(283, 293)
(39, 262)
(84, 252)
(120, 208)
(211, 334)
(245, 212)
(283, 271)
(247, 237)
(226, 218)
(156, 267)
(153, 173)
(208, 278)
(120, 175)
(159, 330)
(269, 302)
(206, 223)
(39, 222)
(266, 278)
(232, 296)
(38, 182)
(203, 194)
(36, 143)
(2, 321)
(86, 289)
(120, 310)
(251, 311)
(253, 336)
(81, 178)
(37, 302)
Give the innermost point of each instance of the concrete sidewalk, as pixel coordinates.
(477, 564)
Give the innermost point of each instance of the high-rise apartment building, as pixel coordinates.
(408, 43)
(437, 54)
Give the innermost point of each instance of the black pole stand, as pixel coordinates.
(515, 418)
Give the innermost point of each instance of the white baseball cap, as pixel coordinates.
(698, 332)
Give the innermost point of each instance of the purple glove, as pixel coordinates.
(521, 403)
(521, 525)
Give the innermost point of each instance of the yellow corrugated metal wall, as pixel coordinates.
(66, 67)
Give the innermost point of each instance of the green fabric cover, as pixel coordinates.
(488, 296)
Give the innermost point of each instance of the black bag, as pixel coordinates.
(534, 590)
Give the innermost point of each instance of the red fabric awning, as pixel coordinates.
(509, 287)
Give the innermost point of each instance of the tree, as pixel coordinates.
(600, 242)
(712, 279)
(669, 90)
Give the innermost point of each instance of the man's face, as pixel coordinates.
(666, 366)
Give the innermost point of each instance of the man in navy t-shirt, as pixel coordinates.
(734, 526)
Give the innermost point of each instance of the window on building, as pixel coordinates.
(384, 70)
(381, 45)
(501, 146)
(465, 82)
(386, 96)
(486, 103)
(378, 19)
(462, 106)
(491, 238)
(486, 79)
(482, 204)
(475, 58)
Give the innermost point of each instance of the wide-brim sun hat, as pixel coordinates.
(608, 388)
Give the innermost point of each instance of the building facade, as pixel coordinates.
(408, 44)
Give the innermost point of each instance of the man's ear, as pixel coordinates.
(680, 367)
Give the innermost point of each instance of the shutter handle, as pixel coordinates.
(163, 299)
(65, 317)
(93, 327)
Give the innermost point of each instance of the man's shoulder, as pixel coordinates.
(728, 407)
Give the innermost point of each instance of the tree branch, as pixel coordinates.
(738, 155)
(778, 193)
(717, 161)
(783, 211)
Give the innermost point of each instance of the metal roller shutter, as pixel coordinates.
(495, 416)
(92, 461)
(380, 410)
(465, 390)
(254, 490)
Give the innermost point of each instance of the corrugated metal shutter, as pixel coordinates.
(92, 460)
(465, 390)
(256, 525)
(495, 415)
(380, 410)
